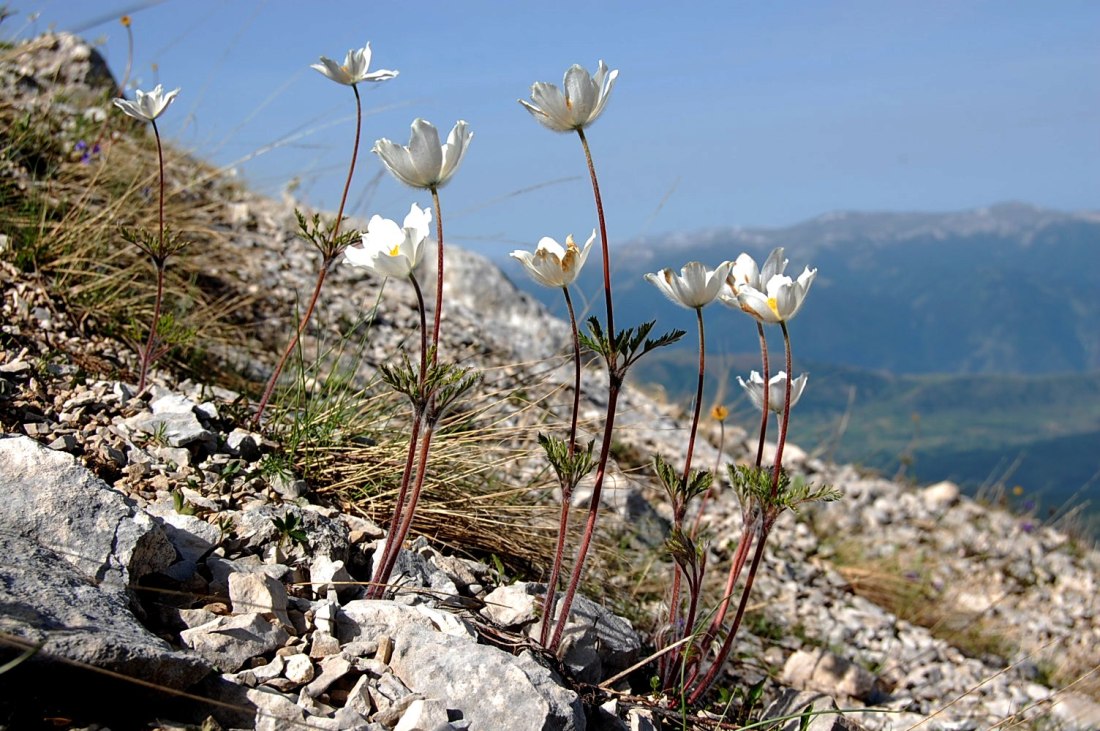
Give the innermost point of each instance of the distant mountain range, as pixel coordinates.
(967, 345)
(1006, 289)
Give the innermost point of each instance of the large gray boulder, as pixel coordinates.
(80, 546)
(45, 601)
(52, 500)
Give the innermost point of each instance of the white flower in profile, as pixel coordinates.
(777, 390)
(581, 103)
(425, 163)
(552, 265)
(354, 68)
(695, 286)
(148, 105)
(391, 250)
(781, 300)
(745, 273)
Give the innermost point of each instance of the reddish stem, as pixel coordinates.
(328, 256)
(606, 247)
(438, 275)
(377, 587)
(147, 354)
(767, 391)
(680, 509)
(593, 513)
(786, 415)
(712, 673)
(159, 260)
(406, 521)
(566, 490)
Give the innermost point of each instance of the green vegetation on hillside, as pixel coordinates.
(1041, 433)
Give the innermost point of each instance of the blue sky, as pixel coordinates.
(725, 113)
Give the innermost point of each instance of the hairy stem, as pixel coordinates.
(767, 390)
(328, 256)
(593, 513)
(438, 275)
(786, 414)
(378, 587)
(410, 511)
(378, 584)
(744, 543)
(680, 504)
(150, 343)
(566, 490)
(160, 259)
(423, 330)
(712, 673)
(605, 245)
(706, 495)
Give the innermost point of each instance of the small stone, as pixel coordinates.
(423, 713)
(243, 444)
(385, 649)
(322, 645)
(64, 443)
(230, 642)
(359, 698)
(299, 669)
(268, 671)
(326, 574)
(828, 673)
(259, 592)
(333, 668)
(940, 496)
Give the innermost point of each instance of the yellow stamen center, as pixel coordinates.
(773, 305)
(395, 250)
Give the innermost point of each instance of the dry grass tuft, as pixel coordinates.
(64, 215)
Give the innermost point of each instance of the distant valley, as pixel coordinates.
(966, 344)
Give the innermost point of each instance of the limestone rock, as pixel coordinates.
(46, 600)
(828, 673)
(230, 642)
(495, 691)
(52, 500)
(259, 593)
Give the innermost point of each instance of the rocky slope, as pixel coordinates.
(152, 541)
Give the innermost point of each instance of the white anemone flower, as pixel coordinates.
(696, 286)
(581, 103)
(148, 105)
(781, 300)
(354, 68)
(777, 390)
(553, 265)
(391, 250)
(745, 273)
(425, 163)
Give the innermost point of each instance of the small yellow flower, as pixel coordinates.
(1017, 491)
(719, 413)
(125, 20)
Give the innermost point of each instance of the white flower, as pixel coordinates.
(425, 163)
(580, 105)
(554, 266)
(782, 299)
(390, 250)
(695, 287)
(777, 390)
(354, 68)
(149, 104)
(745, 273)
